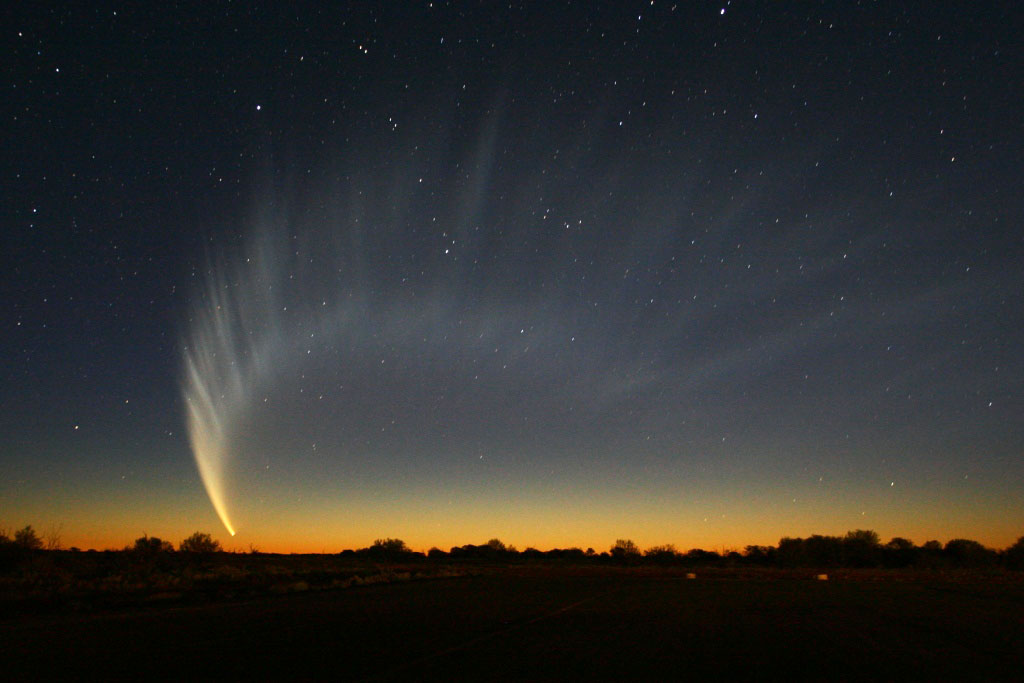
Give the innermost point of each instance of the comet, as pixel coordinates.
(231, 336)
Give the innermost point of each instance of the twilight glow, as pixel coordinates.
(557, 273)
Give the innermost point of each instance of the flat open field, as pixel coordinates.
(551, 624)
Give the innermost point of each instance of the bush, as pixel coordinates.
(662, 554)
(861, 548)
(898, 553)
(387, 549)
(625, 551)
(962, 552)
(824, 551)
(10, 554)
(791, 552)
(760, 555)
(702, 558)
(1015, 555)
(151, 545)
(199, 543)
(27, 538)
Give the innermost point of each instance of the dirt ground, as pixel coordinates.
(551, 624)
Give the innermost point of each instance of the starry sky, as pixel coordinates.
(555, 272)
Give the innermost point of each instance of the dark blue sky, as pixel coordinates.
(693, 273)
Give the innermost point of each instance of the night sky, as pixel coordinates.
(558, 273)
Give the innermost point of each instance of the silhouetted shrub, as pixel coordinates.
(791, 552)
(858, 548)
(10, 554)
(573, 554)
(1015, 555)
(467, 552)
(151, 545)
(824, 551)
(565, 554)
(760, 555)
(732, 558)
(861, 548)
(962, 552)
(17, 550)
(389, 546)
(625, 551)
(149, 554)
(200, 544)
(703, 558)
(494, 549)
(27, 538)
(387, 549)
(899, 553)
(662, 554)
(929, 555)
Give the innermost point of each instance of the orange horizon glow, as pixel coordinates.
(118, 539)
(540, 515)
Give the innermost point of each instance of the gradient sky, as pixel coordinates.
(559, 273)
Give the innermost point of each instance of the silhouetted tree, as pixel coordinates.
(564, 554)
(390, 545)
(732, 558)
(823, 551)
(791, 552)
(929, 555)
(494, 549)
(962, 552)
(573, 554)
(662, 554)
(151, 545)
(52, 539)
(699, 557)
(760, 555)
(27, 538)
(625, 551)
(150, 554)
(10, 552)
(387, 549)
(861, 548)
(472, 552)
(899, 552)
(199, 543)
(1015, 555)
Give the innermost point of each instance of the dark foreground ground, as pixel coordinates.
(550, 624)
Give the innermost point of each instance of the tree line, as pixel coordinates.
(857, 549)
(26, 541)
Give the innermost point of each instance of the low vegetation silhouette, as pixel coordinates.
(199, 543)
(857, 549)
(35, 572)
